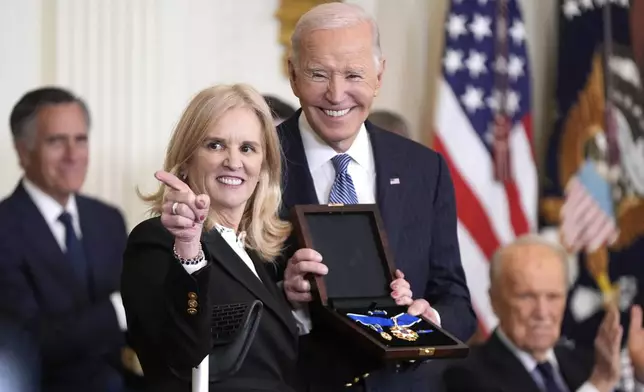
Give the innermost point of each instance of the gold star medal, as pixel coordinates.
(404, 333)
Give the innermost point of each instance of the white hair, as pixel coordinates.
(526, 239)
(331, 16)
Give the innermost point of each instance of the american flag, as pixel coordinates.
(483, 130)
(588, 219)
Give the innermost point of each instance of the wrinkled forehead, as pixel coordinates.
(352, 44)
(62, 118)
(531, 262)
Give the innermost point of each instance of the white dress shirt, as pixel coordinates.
(530, 364)
(51, 210)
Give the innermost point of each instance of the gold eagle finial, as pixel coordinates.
(584, 122)
(289, 13)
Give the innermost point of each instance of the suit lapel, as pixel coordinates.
(229, 260)
(513, 374)
(297, 181)
(570, 368)
(389, 194)
(48, 255)
(279, 300)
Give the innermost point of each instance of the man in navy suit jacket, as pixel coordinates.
(60, 253)
(336, 71)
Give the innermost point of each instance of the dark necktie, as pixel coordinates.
(548, 373)
(75, 252)
(342, 191)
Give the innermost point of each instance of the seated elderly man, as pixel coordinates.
(528, 294)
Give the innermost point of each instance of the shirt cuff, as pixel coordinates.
(438, 317)
(303, 320)
(300, 314)
(119, 309)
(192, 268)
(587, 387)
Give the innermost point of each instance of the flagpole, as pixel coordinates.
(597, 261)
(501, 146)
(609, 119)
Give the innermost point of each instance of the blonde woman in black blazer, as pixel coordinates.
(216, 226)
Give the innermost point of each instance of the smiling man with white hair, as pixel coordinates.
(335, 155)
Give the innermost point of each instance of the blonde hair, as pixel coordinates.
(266, 232)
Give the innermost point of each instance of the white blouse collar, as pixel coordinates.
(230, 234)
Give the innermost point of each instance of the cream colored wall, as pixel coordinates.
(20, 51)
(138, 62)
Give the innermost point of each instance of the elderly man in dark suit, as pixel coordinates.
(334, 155)
(528, 287)
(60, 252)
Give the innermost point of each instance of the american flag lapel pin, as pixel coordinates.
(394, 181)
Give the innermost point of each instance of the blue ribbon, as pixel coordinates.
(403, 320)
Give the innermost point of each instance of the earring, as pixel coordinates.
(375, 93)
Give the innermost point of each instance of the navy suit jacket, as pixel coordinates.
(419, 215)
(77, 330)
(492, 367)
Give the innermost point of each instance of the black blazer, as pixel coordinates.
(419, 215)
(78, 335)
(492, 367)
(155, 289)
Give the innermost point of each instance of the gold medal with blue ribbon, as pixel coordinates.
(400, 325)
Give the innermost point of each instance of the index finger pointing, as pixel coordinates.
(171, 180)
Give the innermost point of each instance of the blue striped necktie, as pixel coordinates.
(342, 191)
